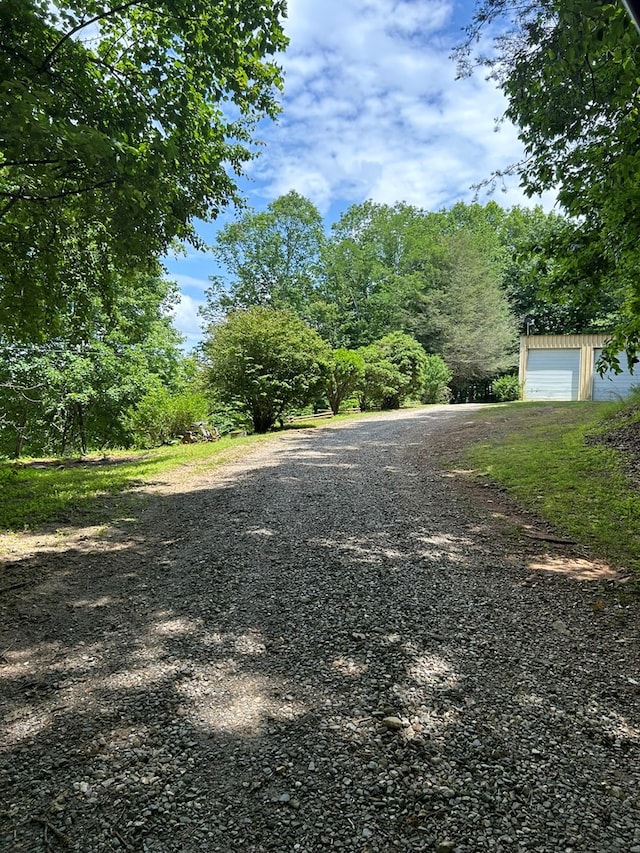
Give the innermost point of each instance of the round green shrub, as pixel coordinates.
(506, 389)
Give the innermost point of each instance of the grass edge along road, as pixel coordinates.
(35, 491)
(542, 453)
(59, 490)
(550, 460)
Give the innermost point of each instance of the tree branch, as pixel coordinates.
(5, 164)
(10, 203)
(81, 26)
(125, 79)
(22, 196)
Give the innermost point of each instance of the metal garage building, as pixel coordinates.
(563, 367)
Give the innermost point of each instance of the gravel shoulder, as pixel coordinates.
(330, 644)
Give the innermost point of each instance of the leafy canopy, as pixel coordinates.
(394, 369)
(570, 71)
(271, 258)
(376, 266)
(346, 373)
(120, 125)
(437, 376)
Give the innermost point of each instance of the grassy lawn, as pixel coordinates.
(544, 455)
(37, 490)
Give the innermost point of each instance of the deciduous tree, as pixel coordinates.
(270, 258)
(394, 370)
(266, 361)
(570, 72)
(435, 385)
(120, 124)
(377, 265)
(345, 373)
(540, 254)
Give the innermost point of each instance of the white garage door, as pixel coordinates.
(552, 374)
(612, 386)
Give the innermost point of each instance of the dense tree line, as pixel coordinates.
(394, 303)
(462, 283)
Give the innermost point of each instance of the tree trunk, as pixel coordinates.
(262, 416)
(20, 429)
(81, 428)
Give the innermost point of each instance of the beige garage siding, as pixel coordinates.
(585, 344)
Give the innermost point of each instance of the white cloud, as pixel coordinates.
(372, 109)
(187, 320)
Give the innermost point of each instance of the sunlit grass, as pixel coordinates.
(543, 455)
(37, 490)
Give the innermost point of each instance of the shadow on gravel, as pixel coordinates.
(330, 652)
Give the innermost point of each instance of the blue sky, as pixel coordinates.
(371, 110)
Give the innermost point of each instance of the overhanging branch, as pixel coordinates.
(81, 26)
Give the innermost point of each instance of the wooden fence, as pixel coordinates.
(325, 413)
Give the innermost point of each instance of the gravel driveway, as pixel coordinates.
(325, 646)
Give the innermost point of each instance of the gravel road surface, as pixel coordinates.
(325, 646)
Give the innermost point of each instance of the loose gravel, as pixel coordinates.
(322, 647)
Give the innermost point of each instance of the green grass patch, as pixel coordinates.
(38, 490)
(545, 456)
